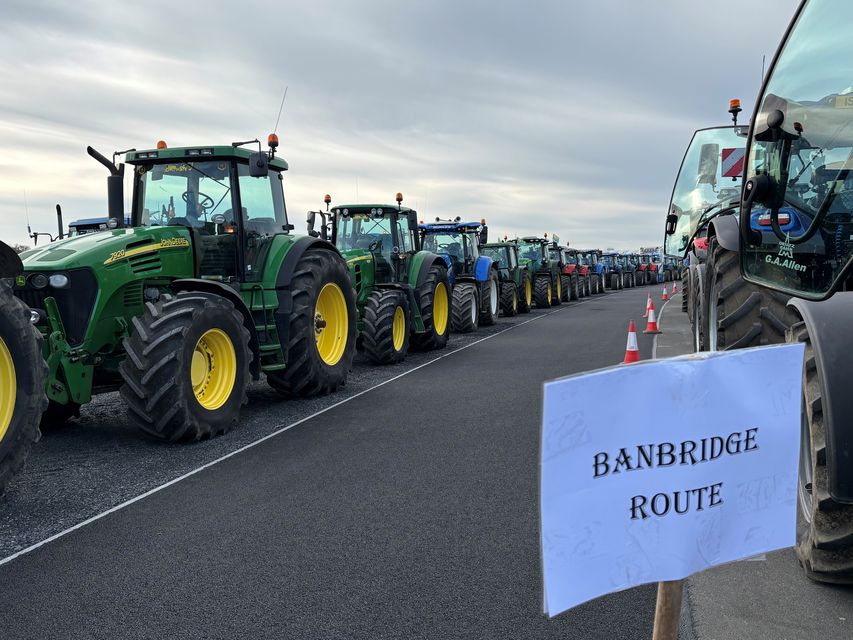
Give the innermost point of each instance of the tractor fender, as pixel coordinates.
(223, 290)
(420, 266)
(727, 231)
(482, 268)
(10, 263)
(828, 324)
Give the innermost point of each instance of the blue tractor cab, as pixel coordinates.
(473, 277)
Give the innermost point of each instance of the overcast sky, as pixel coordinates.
(566, 117)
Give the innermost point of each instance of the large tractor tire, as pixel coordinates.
(525, 294)
(685, 289)
(824, 527)
(574, 288)
(566, 287)
(490, 299)
(465, 314)
(22, 384)
(699, 306)
(509, 299)
(741, 314)
(650, 277)
(187, 367)
(557, 292)
(542, 292)
(614, 282)
(587, 287)
(387, 325)
(434, 301)
(322, 327)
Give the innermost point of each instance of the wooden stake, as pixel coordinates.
(668, 610)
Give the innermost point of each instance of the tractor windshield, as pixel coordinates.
(709, 180)
(459, 246)
(531, 251)
(361, 231)
(801, 223)
(500, 255)
(199, 195)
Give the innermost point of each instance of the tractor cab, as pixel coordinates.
(708, 184)
(535, 250)
(458, 242)
(796, 216)
(228, 201)
(384, 235)
(611, 262)
(504, 254)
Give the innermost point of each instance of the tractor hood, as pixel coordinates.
(104, 248)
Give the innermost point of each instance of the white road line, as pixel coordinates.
(655, 338)
(159, 488)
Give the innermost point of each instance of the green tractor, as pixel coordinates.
(794, 238)
(205, 290)
(516, 283)
(22, 373)
(547, 285)
(402, 292)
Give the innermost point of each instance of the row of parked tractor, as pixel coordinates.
(763, 215)
(204, 288)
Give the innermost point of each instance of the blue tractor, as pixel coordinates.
(613, 269)
(474, 278)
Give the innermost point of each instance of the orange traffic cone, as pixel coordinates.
(674, 288)
(648, 305)
(665, 295)
(652, 324)
(632, 352)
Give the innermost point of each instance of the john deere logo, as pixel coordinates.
(20, 281)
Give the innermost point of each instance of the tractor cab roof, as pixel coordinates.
(535, 239)
(199, 153)
(457, 225)
(369, 209)
(505, 243)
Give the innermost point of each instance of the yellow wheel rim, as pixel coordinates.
(331, 324)
(559, 288)
(550, 296)
(528, 293)
(515, 300)
(440, 309)
(399, 328)
(214, 369)
(8, 388)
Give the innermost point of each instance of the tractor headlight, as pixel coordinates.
(58, 281)
(38, 281)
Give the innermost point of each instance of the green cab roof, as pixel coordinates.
(199, 152)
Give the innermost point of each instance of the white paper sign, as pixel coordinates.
(656, 470)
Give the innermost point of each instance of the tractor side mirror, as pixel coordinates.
(413, 220)
(671, 221)
(311, 219)
(258, 165)
(484, 235)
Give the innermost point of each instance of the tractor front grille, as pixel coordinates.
(75, 302)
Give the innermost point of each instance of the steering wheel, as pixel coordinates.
(204, 200)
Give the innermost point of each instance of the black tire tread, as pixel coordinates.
(150, 371)
(23, 431)
(305, 374)
(378, 334)
(825, 547)
(463, 298)
(425, 295)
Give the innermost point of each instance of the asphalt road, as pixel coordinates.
(407, 511)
